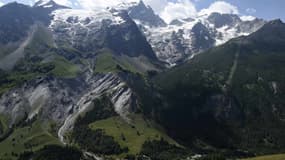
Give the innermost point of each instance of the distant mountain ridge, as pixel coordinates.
(181, 39)
(185, 40)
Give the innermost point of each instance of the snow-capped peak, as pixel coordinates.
(184, 38)
(138, 11)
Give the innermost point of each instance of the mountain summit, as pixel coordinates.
(142, 14)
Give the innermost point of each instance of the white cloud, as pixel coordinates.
(31, 2)
(1, 3)
(101, 4)
(64, 2)
(75, 4)
(247, 18)
(179, 9)
(166, 9)
(156, 5)
(250, 10)
(220, 7)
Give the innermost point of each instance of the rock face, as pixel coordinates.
(142, 13)
(58, 100)
(9, 61)
(16, 20)
(111, 85)
(73, 35)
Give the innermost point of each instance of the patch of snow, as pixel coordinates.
(80, 16)
(160, 39)
(227, 33)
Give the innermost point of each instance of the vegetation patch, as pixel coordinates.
(53, 152)
(64, 68)
(132, 136)
(96, 141)
(3, 124)
(28, 138)
(162, 150)
(107, 62)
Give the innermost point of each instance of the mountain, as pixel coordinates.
(220, 20)
(91, 31)
(92, 84)
(85, 31)
(230, 97)
(141, 13)
(59, 68)
(16, 19)
(185, 38)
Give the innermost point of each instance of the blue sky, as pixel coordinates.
(267, 9)
(171, 9)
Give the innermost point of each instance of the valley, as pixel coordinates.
(121, 83)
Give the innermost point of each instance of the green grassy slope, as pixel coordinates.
(41, 58)
(29, 138)
(41, 53)
(107, 62)
(132, 135)
(3, 124)
(64, 68)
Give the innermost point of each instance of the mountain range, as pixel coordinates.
(120, 83)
